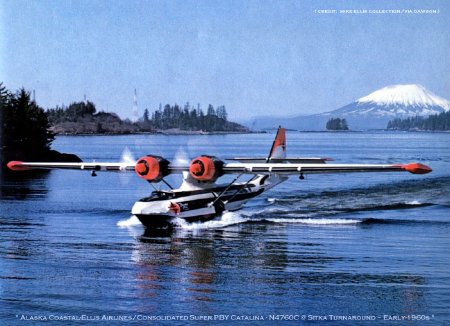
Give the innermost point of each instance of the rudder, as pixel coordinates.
(278, 150)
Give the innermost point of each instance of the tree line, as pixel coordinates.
(83, 118)
(435, 122)
(190, 119)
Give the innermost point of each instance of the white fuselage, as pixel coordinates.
(202, 202)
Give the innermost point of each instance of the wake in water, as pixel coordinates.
(132, 221)
(234, 218)
(384, 197)
(227, 219)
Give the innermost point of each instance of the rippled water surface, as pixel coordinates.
(373, 246)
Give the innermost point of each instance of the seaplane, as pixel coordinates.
(200, 198)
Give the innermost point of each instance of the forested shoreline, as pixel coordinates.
(83, 118)
(435, 122)
(28, 130)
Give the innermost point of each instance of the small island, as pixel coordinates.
(337, 124)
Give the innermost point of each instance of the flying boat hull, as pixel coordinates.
(163, 209)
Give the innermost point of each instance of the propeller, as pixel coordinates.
(181, 158)
(128, 158)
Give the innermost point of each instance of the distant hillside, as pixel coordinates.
(300, 122)
(373, 111)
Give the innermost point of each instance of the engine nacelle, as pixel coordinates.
(206, 168)
(152, 168)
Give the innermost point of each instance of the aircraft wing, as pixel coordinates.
(94, 166)
(254, 168)
(287, 168)
(155, 168)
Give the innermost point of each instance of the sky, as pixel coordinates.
(257, 58)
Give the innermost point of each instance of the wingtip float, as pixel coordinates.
(16, 166)
(416, 168)
(199, 198)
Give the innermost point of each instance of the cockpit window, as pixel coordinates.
(157, 195)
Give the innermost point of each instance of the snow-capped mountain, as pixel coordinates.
(372, 111)
(397, 101)
(406, 95)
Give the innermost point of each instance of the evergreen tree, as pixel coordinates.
(222, 112)
(146, 117)
(25, 127)
(4, 100)
(211, 111)
(3, 94)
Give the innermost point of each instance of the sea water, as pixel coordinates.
(369, 248)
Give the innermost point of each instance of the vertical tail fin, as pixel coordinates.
(278, 149)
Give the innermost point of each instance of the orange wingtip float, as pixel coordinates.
(416, 168)
(17, 166)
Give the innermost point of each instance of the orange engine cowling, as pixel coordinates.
(206, 168)
(152, 168)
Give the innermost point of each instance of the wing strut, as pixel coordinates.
(239, 190)
(167, 184)
(226, 189)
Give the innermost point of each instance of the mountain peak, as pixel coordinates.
(406, 95)
(373, 111)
